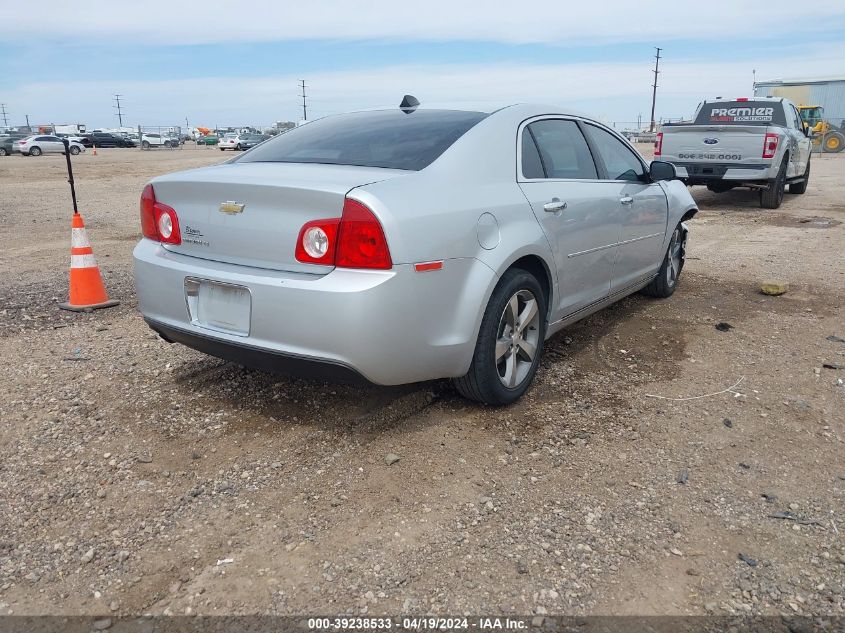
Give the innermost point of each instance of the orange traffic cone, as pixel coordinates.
(87, 291)
(93, 149)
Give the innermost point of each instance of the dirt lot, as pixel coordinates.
(140, 477)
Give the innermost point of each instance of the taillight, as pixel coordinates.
(361, 242)
(317, 242)
(159, 221)
(148, 221)
(742, 99)
(770, 145)
(355, 240)
(658, 144)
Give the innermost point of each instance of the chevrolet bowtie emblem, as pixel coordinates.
(231, 207)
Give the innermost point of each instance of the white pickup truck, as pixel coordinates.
(759, 143)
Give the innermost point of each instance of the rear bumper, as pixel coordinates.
(391, 327)
(702, 173)
(258, 358)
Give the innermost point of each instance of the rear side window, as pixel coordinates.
(532, 167)
(741, 113)
(619, 161)
(563, 151)
(382, 138)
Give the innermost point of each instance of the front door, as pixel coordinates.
(559, 177)
(643, 205)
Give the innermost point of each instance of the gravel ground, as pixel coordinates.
(141, 477)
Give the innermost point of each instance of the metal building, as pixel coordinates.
(826, 92)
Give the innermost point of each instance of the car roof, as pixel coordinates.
(489, 107)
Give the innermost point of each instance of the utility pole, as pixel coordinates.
(27, 121)
(304, 110)
(654, 87)
(119, 111)
(4, 113)
(753, 82)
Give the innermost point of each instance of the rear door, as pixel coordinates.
(576, 210)
(643, 205)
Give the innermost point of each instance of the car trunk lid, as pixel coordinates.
(250, 214)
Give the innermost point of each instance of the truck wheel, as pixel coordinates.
(801, 187)
(772, 197)
(834, 142)
(664, 284)
(510, 341)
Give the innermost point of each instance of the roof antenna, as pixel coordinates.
(409, 104)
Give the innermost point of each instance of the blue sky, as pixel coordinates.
(221, 63)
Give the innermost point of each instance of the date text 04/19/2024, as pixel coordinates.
(421, 623)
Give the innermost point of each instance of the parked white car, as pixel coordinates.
(45, 144)
(229, 141)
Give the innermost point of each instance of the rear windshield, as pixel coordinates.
(382, 138)
(741, 113)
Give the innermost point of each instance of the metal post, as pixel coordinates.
(654, 87)
(70, 175)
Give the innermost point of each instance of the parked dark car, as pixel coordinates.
(248, 141)
(7, 141)
(106, 139)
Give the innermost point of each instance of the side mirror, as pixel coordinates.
(661, 170)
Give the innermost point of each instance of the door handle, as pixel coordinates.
(626, 200)
(554, 206)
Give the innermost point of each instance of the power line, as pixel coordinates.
(654, 87)
(119, 111)
(4, 113)
(304, 110)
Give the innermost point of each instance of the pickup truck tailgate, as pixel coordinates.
(714, 143)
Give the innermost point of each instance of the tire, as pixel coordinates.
(772, 197)
(222, 150)
(3, 151)
(145, 144)
(666, 282)
(74, 150)
(801, 187)
(502, 366)
(35, 151)
(834, 142)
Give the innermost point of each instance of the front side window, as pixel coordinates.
(563, 151)
(619, 161)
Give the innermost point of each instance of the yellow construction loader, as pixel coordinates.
(821, 131)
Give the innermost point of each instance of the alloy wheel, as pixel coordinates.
(518, 338)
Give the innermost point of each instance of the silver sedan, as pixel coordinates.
(409, 244)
